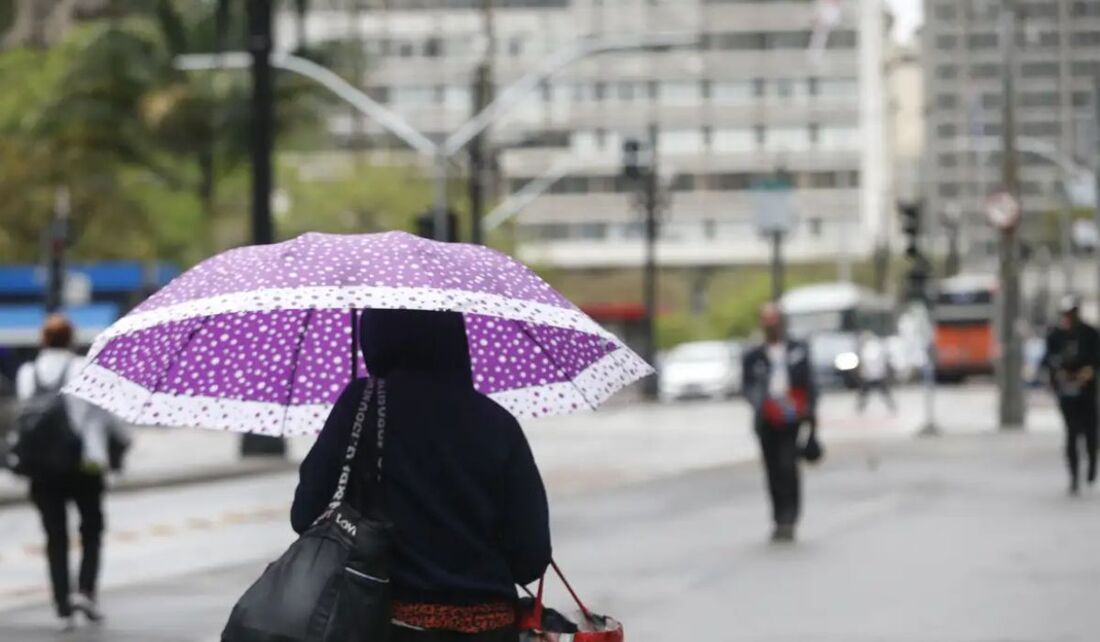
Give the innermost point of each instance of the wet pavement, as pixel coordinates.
(966, 538)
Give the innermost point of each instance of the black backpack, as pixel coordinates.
(45, 444)
(333, 583)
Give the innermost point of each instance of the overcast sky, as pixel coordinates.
(909, 14)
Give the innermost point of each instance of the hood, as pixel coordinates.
(432, 342)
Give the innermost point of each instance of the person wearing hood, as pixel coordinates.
(468, 508)
(1073, 358)
(99, 435)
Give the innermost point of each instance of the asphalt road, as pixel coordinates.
(955, 539)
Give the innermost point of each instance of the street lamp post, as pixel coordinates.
(1011, 403)
(440, 154)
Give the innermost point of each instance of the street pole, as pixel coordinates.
(1096, 155)
(482, 96)
(1011, 402)
(56, 244)
(777, 265)
(651, 178)
(263, 120)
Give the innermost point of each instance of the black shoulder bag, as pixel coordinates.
(332, 584)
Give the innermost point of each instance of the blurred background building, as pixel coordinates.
(1057, 49)
(793, 86)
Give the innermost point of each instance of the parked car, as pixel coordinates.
(701, 370)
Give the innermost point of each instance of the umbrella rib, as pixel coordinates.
(550, 357)
(297, 360)
(184, 345)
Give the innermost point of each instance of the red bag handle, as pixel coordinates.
(538, 598)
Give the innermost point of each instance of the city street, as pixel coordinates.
(968, 537)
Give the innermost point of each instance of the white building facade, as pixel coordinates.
(754, 97)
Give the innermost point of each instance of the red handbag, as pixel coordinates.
(593, 628)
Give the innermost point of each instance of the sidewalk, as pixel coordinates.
(622, 443)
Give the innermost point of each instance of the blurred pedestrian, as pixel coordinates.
(779, 383)
(57, 477)
(875, 372)
(1072, 359)
(467, 505)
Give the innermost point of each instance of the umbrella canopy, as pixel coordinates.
(259, 339)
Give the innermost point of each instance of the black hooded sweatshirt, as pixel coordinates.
(467, 504)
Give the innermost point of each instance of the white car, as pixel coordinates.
(701, 369)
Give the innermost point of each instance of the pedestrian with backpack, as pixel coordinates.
(64, 446)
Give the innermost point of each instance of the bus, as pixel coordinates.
(836, 308)
(964, 316)
(830, 317)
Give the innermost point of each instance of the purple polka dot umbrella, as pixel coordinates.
(258, 339)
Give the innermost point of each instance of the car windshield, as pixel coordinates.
(825, 347)
(701, 353)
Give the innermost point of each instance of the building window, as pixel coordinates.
(947, 72)
(788, 139)
(946, 41)
(981, 40)
(733, 141)
(814, 223)
(680, 93)
(433, 47)
(838, 88)
(948, 160)
(599, 91)
(814, 132)
(947, 101)
(760, 135)
(945, 10)
(985, 70)
(838, 137)
(1040, 129)
(947, 131)
(949, 190)
(624, 91)
(1039, 69)
(790, 39)
(1086, 39)
(1085, 8)
(759, 87)
(683, 141)
(1044, 99)
(811, 86)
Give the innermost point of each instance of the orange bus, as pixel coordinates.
(965, 338)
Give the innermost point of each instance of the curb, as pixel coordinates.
(126, 484)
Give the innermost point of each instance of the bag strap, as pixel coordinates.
(353, 443)
(42, 388)
(538, 598)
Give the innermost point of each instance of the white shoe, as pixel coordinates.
(68, 624)
(87, 607)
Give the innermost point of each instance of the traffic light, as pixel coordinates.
(425, 226)
(920, 269)
(910, 228)
(632, 165)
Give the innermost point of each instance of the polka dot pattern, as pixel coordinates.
(277, 364)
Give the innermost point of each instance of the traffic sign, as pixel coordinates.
(1002, 210)
(773, 206)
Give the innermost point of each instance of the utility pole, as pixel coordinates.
(649, 273)
(1010, 378)
(260, 36)
(57, 240)
(640, 165)
(482, 94)
(916, 294)
(777, 265)
(263, 118)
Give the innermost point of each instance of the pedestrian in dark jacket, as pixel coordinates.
(1073, 358)
(84, 486)
(460, 486)
(778, 382)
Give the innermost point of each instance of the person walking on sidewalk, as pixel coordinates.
(779, 384)
(874, 371)
(1072, 358)
(467, 505)
(96, 439)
